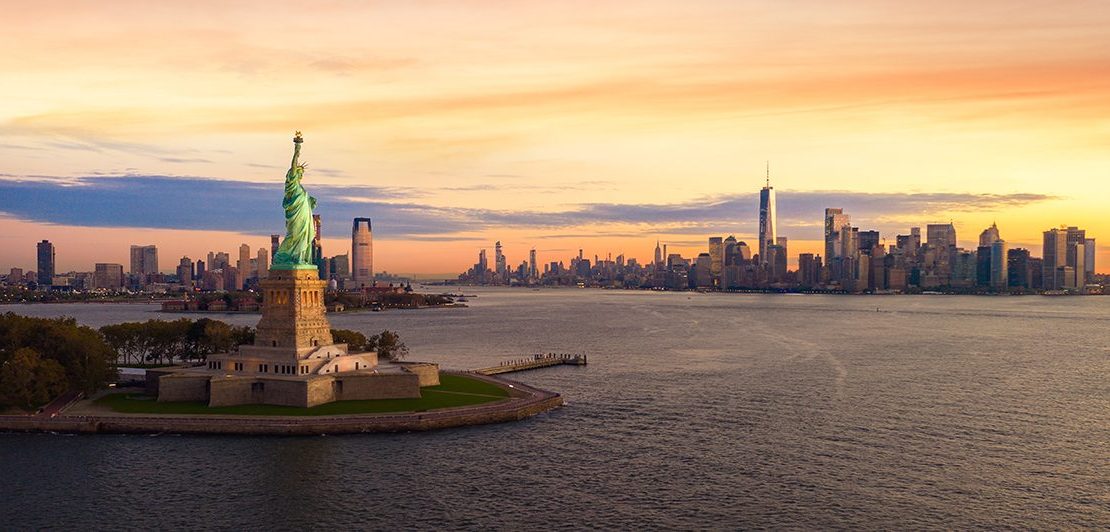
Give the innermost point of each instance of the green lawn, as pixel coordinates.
(453, 390)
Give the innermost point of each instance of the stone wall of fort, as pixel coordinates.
(426, 371)
(377, 386)
(183, 387)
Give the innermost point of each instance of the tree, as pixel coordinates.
(166, 341)
(356, 341)
(205, 337)
(27, 381)
(125, 340)
(87, 360)
(388, 345)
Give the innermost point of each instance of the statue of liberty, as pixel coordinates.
(295, 251)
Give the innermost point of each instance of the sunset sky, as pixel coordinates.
(555, 125)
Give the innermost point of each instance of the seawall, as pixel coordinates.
(524, 402)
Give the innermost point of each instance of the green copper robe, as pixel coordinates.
(295, 252)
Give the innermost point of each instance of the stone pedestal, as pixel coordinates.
(293, 312)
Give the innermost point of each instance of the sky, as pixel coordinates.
(557, 126)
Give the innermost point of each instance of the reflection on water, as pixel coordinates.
(697, 410)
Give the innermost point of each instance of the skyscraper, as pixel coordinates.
(144, 260)
(1000, 276)
(767, 225)
(274, 245)
(1054, 254)
(730, 253)
(743, 251)
(45, 263)
(658, 255)
(220, 261)
(1019, 268)
(185, 271)
(1089, 247)
(716, 258)
(341, 266)
(362, 251)
(989, 236)
(108, 276)
(500, 264)
(483, 265)
(868, 240)
(263, 263)
(533, 273)
(318, 247)
(985, 260)
(835, 221)
(1065, 258)
(243, 264)
(941, 235)
(809, 269)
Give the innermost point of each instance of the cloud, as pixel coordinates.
(184, 160)
(213, 204)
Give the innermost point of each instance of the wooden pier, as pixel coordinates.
(535, 362)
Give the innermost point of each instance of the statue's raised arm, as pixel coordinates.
(297, 140)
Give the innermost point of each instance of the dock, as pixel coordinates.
(535, 362)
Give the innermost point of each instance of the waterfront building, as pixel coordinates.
(275, 243)
(362, 252)
(767, 222)
(200, 270)
(45, 252)
(108, 276)
(533, 272)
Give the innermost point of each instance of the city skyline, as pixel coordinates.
(636, 124)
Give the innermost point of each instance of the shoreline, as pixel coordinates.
(524, 402)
